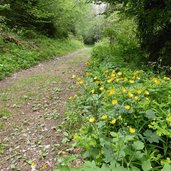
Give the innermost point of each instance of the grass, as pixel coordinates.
(4, 112)
(31, 52)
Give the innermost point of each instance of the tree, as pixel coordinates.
(54, 18)
(154, 25)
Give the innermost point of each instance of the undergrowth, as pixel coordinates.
(24, 53)
(123, 116)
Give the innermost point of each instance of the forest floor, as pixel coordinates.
(32, 105)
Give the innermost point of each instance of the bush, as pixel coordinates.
(120, 44)
(125, 115)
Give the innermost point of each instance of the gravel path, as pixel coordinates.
(33, 103)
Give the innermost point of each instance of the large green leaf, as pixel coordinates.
(138, 145)
(167, 167)
(151, 136)
(146, 165)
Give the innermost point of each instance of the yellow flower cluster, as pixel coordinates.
(111, 91)
(156, 80)
(79, 81)
(105, 117)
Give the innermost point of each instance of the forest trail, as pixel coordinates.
(32, 104)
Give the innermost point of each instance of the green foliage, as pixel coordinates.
(89, 25)
(4, 112)
(93, 33)
(53, 18)
(154, 25)
(125, 117)
(16, 57)
(120, 44)
(91, 166)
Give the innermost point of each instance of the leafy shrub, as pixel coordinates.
(104, 52)
(120, 43)
(29, 34)
(126, 117)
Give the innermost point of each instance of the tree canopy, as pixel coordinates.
(154, 25)
(54, 18)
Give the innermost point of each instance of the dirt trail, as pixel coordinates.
(32, 105)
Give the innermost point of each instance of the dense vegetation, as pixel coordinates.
(124, 111)
(153, 25)
(123, 117)
(35, 30)
(54, 18)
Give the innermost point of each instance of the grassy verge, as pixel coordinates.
(125, 119)
(25, 53)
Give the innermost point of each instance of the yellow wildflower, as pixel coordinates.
(119, 73)
(130, 95)
(76, 137)
(131, 130)
(117, 80)
(73, 76)
(125, 79)
(155, 80)
(127, 107)
(136, 98)
(75, 96)
(110, 80)
(44, 167)
(114, 102)
(70, 98)
(92, 120)
(166, 78)
(111, 91)
(81, 82)
(131, 81)
(139, 91)
(120, 117)
(93, 91)
(95, 78)
(138, 78)
(113, 122)
(104, 117)
(112, 74)
(32, 163)
(79, 79)
(146, 92)
(123, 90)
(101, 88)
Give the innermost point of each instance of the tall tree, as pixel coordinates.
(54, 18)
